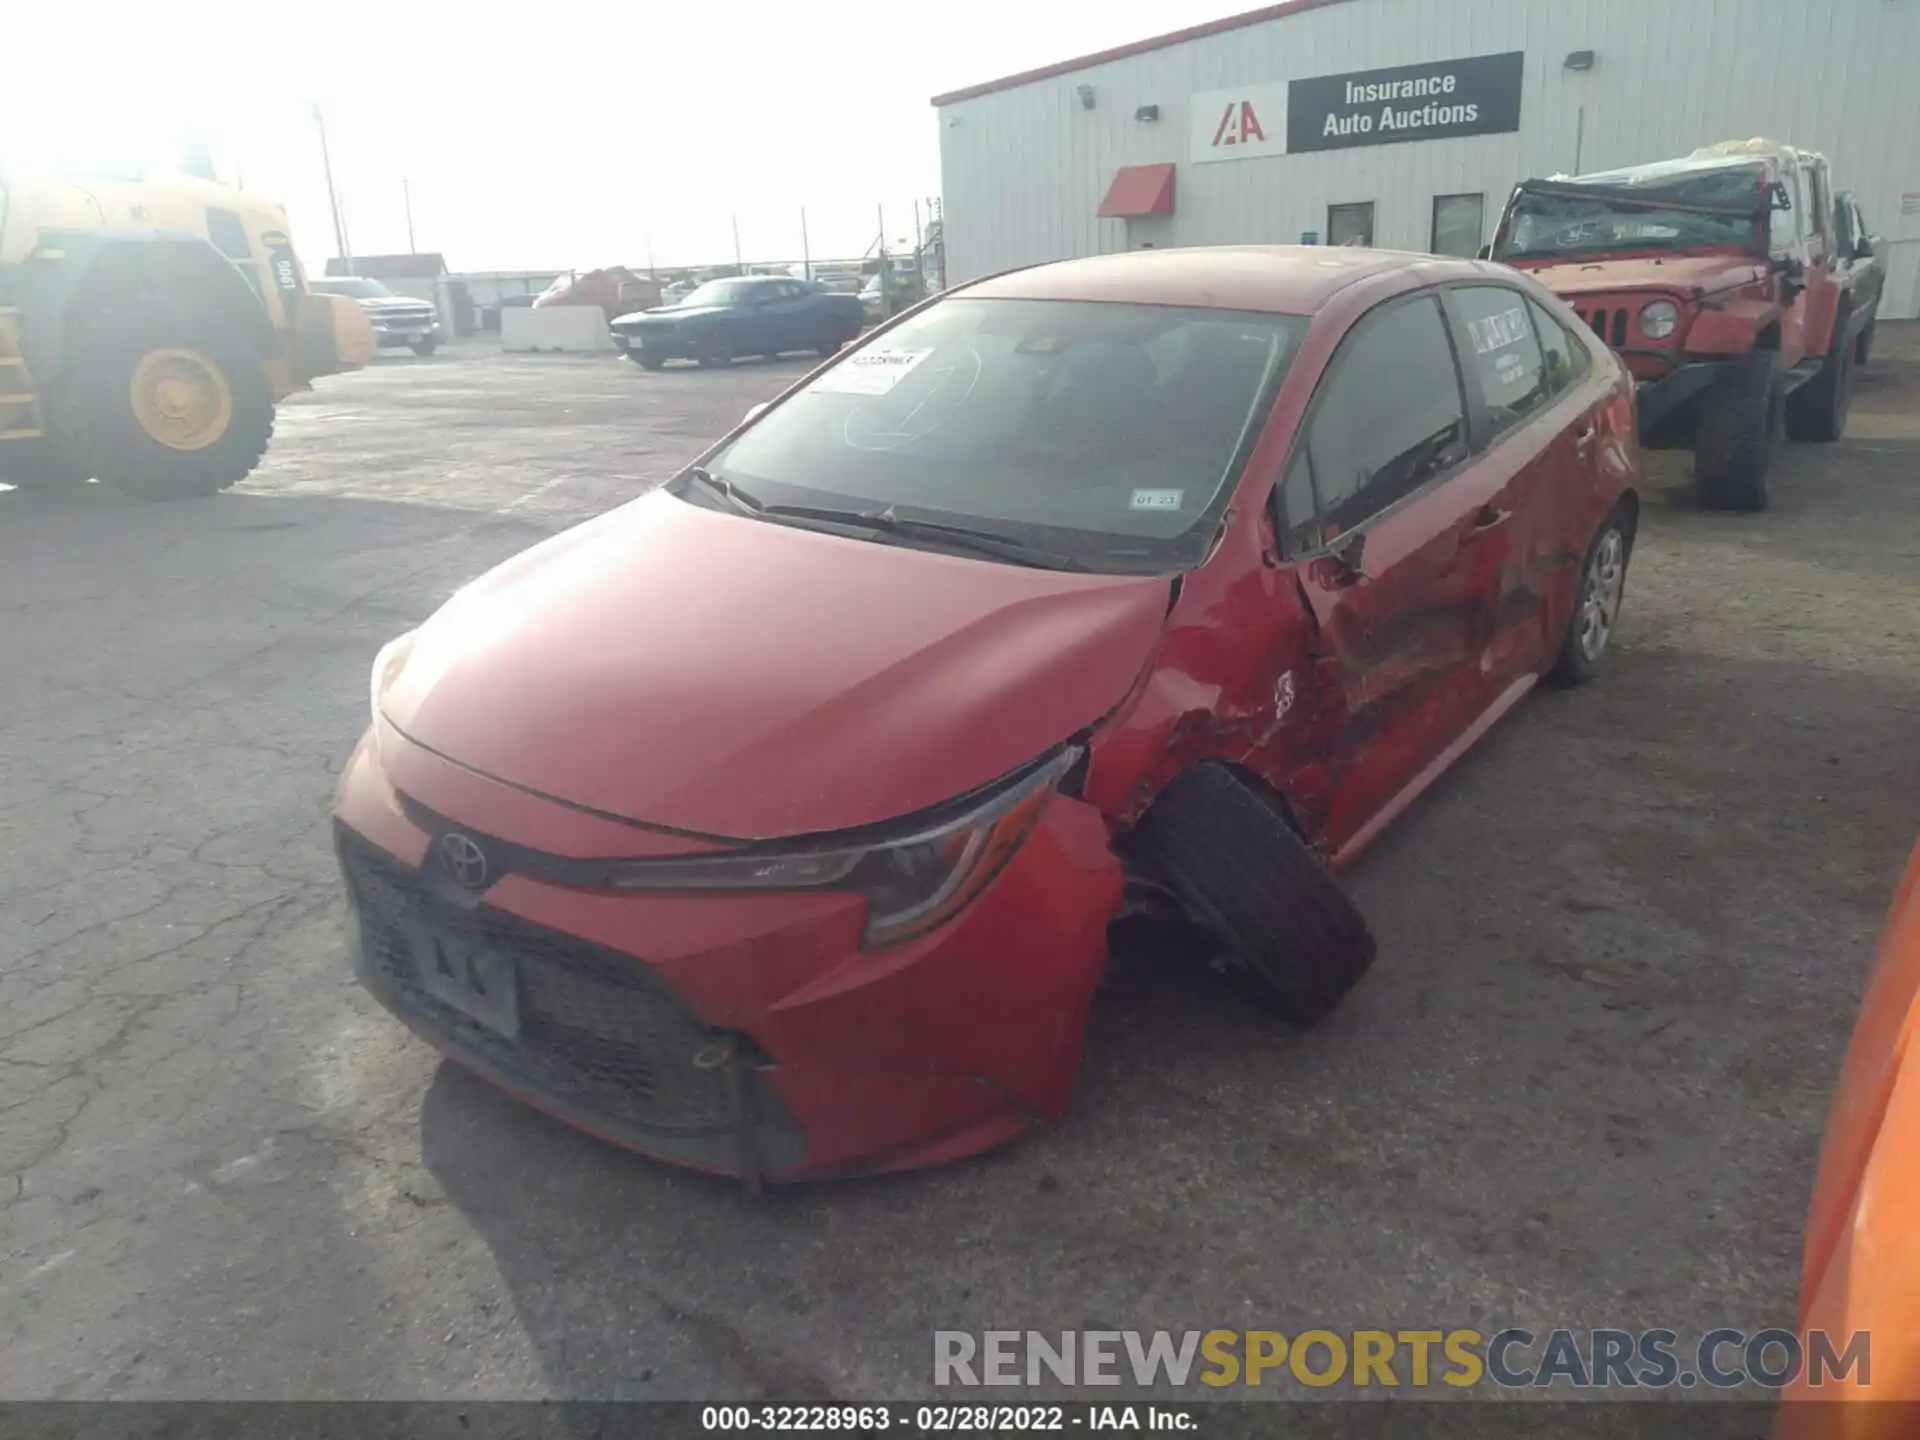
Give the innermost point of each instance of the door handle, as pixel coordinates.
(1583, 439)
(1491, 516)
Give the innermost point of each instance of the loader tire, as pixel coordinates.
(1224, 847)
(163, 410)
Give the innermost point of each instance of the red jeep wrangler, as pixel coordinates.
(1717, 279)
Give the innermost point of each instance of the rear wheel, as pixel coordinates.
(1863, 347)
(1596, 608)
(425, 346)
(829, 346)
(1741, 425)
(1223, 846)
(161, 409)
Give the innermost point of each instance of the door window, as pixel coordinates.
(1783, 225)
(1504, 352)
(1565, 352)
(1458, 222)
(1350, 224)
(1389, 415)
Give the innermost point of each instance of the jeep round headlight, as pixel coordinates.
(1660, 319)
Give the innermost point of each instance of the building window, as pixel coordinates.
(1458, 224)
(1350, 224)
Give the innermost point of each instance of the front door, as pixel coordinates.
(1388, 460)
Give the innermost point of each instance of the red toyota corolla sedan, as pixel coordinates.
(773, 823)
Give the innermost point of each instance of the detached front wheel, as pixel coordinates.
(163, 416)
(1227, 852)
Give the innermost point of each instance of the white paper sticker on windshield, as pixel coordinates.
(871, 372)
(1157, 499)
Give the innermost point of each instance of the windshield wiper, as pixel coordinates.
(727, 490)
(959, 537)
(888, 522)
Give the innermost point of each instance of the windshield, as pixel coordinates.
(721, 292)
(357, 287)
(1560, 224)
(1108, 432)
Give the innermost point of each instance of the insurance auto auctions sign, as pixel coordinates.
(1476, 96)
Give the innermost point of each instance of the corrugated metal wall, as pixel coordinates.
(1023, 170)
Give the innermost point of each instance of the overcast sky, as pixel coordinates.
(549, 137)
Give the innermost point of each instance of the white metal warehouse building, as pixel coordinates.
(1405, 123)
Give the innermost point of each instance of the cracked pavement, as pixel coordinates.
(1620, 950)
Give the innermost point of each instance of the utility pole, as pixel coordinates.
(919, 249)
(406, 197)
(651, 273)
(886, 271)
(333, 197)
(806, 250)
(738, 264)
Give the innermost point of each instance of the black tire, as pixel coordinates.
(424, 347)
(1817, 411)
(829, 346)
(1741, 425)
(98, 435)
(1602, 589)
(646, 361)
(1226, 850)
(1863, 347)
(714, 351)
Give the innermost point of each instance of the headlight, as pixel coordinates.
(1660, 319)
(387, 666)
(914, 880)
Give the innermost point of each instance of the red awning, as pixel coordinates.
(1139, 190)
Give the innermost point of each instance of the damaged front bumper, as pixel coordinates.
(743, 1034)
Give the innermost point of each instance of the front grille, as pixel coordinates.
(1609, 325)
(405, 318)
(600, 1032)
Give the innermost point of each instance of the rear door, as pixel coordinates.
(1387, 460)
(1530, 421)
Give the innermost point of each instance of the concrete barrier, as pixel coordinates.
(573, 329)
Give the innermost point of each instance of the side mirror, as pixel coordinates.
(754, 412)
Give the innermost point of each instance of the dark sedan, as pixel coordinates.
(754, 315)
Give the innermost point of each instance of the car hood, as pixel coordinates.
(1684, 273)
(668, 315)
(709, 672)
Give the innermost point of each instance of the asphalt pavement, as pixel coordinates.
(1621, 945)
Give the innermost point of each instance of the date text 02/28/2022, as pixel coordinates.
(941, 1419)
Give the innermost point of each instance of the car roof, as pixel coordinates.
(1278, 279)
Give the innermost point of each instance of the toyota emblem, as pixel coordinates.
(464, 860)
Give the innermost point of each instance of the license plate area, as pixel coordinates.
(464, 973)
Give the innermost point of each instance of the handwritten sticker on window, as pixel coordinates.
(1497, 332)
(871, 372)
(1156, 499)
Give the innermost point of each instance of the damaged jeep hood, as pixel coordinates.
(682, 667)
(1687, 274)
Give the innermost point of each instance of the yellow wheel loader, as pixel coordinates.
(149, 327)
